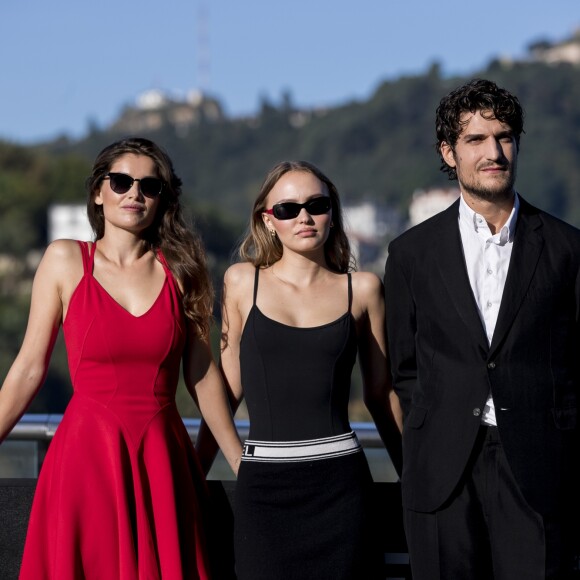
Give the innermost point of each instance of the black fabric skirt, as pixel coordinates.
(306, 520)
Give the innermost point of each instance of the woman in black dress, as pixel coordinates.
(294, 317)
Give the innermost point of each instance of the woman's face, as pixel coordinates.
(131, 210)
(309, 229)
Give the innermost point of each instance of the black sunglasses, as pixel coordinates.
(122, 183)
(290, 209)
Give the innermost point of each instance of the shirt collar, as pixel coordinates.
(506, 234)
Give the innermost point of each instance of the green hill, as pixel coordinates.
(379, 150)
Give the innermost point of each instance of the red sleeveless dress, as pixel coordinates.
(120, 493)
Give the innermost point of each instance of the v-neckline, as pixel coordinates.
(122, 308)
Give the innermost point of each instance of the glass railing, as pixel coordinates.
(22, 453)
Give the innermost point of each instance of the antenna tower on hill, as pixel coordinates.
(203, 49)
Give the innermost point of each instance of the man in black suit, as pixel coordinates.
(483, 309)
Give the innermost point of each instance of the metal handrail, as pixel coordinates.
(42, 427)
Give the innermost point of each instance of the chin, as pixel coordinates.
(495, 192)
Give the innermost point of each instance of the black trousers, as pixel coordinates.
(486, 530)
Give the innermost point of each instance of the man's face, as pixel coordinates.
(485, 157)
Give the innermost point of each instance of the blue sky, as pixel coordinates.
(67, 62)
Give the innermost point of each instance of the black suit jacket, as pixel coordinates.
(443, 367)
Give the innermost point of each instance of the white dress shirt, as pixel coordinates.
(487, 257)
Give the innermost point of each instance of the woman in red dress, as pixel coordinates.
(120, 494)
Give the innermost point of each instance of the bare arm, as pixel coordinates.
(204, 381)
(54, 278)
(379, 396)
(206, 445)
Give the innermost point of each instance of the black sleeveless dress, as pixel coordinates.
(302, 505)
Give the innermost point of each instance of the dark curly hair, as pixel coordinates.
(477, 95)
(169, 233)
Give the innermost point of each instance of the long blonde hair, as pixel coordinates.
(262, 249)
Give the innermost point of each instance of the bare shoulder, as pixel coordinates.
(239, 283)
(62, 265)
(237, 295)
(366, 284)
(61, 255)
(63, 249)
(368, 296)
(240, 274)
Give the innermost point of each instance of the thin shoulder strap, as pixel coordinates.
(349, 291)
(163, 261)
(87, 259)
(92, 253)
(168, 273)
(256, 276)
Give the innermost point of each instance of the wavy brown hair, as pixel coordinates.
(477, 95)
(169, 233)
(262, 249)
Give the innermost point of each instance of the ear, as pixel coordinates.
(268, 222)
(98, 199)
(447, 153)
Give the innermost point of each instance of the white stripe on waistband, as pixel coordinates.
(305, 450)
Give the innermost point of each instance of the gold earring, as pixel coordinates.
(273, 233)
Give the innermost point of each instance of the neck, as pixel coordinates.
(124, 249)
(495, 212)
(299, 271)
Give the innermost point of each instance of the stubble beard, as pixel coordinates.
(500, 191)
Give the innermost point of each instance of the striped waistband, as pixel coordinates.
(306, 450)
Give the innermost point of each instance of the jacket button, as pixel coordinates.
(491, 365)
(477, 412)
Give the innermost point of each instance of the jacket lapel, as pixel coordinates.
(528, 244)
(451, 264)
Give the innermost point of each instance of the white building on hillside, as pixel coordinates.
(426, 203)
(69, 221)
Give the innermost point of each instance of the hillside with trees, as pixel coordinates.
(380, 150)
